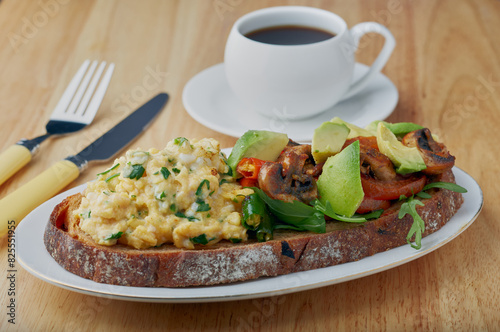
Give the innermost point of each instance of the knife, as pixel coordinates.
(18, 204)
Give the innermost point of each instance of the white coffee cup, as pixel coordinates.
(298, 81)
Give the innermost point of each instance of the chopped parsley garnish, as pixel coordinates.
(109, 169)
(173, 207)
(112, 177)
(176, 170)
(180, 140)
(182, 215)
(137, 172)
(160, 196)
(202, 206)
(85, 215)
(199, 191)
(114, 236)
(200, 239)
(235, 240)
(165, 172)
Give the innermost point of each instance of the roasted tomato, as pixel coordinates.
(393, 189)
(369, 204)
(368, 142)
(247, 182)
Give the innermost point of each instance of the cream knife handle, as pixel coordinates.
(12, 160)
(18, 204)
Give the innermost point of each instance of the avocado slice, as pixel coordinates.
(328, 140)
(261, 144)
(399, 129)
(340, 182)
(355, 130)
(406, 159)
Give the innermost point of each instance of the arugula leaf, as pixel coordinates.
(423, 194)
(418, 226)
(137, 172)
(409, 207)
(446, 185)
(326, 209)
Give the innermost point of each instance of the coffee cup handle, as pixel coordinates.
(357, 32)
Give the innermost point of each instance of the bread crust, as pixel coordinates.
(289, 251)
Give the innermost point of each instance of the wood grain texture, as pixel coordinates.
(446, 66)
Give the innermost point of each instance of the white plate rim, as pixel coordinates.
(42, 266)
(191, 96)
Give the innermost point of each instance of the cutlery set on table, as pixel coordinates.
(75, 110)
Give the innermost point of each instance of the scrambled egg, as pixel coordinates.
(181, 195)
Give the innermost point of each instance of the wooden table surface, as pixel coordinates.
(447, 70)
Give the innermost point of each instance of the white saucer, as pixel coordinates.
(208, 98)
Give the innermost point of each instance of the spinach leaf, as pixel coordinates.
(297, 214)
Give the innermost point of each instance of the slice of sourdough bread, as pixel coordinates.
(168, 266)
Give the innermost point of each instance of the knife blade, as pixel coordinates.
(18, 204)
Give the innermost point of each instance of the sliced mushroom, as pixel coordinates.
(288, 179)
(435, 154)
(373, 162)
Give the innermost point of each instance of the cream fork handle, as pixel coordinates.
(12, 160)
(18, 204)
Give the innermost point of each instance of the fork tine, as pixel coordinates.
(90, 90)
(76, 104)
(67, 96)
(81, 89)
(91, 110)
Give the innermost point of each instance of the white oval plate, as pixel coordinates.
(209, 100)
(33, 257)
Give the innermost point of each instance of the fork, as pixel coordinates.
(75, 110)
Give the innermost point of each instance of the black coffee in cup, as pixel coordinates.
(289, 35)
